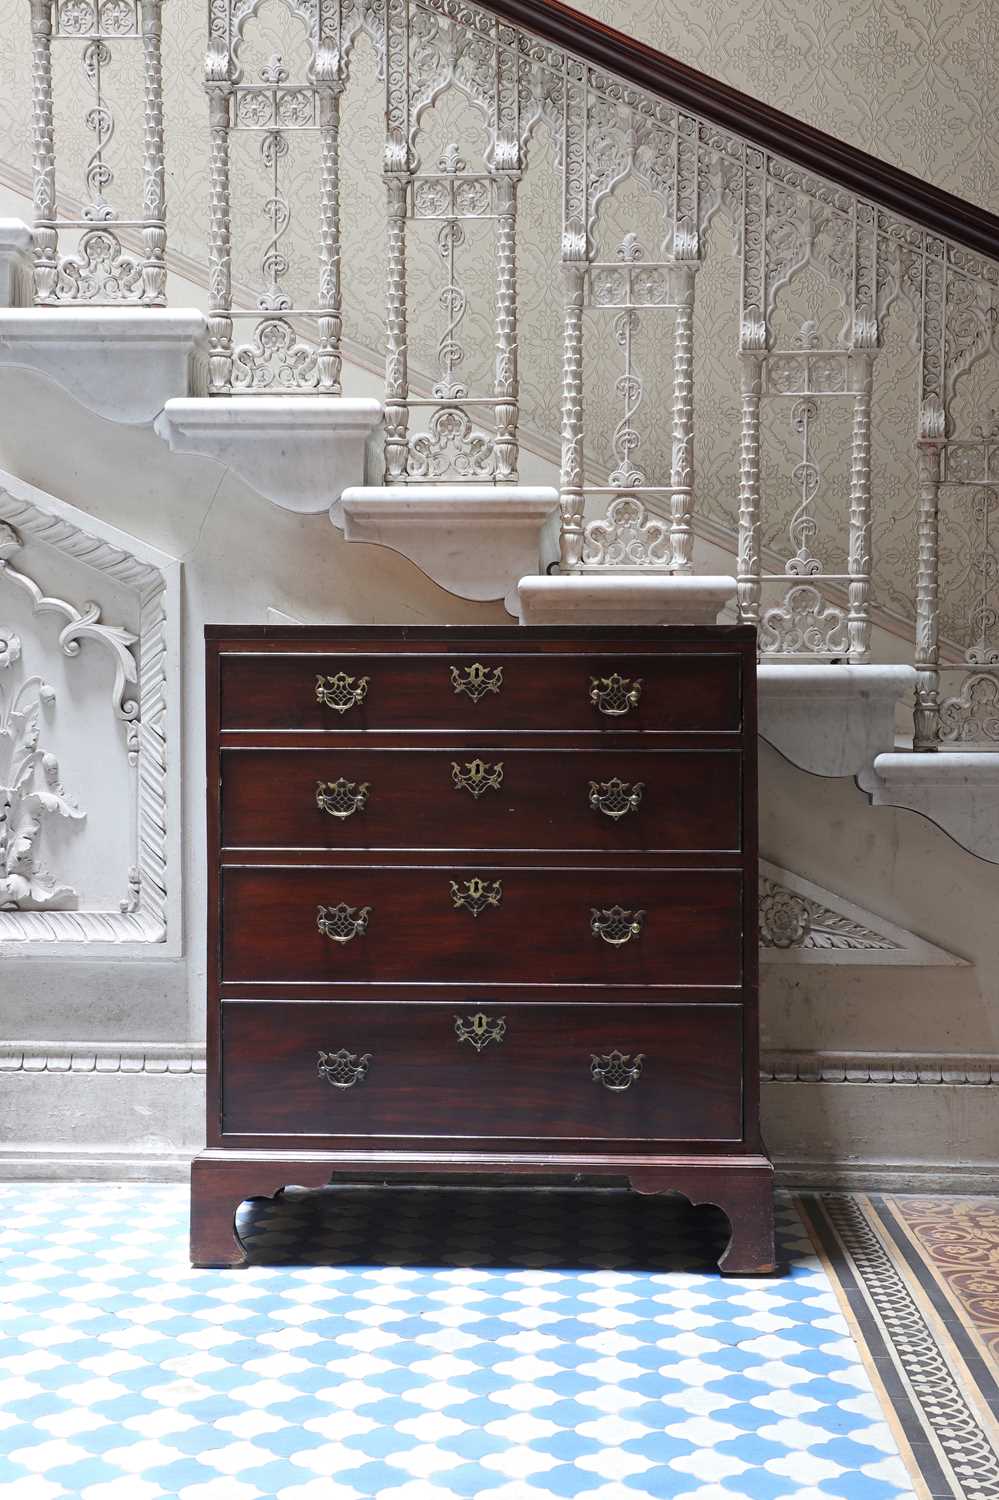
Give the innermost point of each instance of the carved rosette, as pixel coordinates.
(785, 920)
(789, 920)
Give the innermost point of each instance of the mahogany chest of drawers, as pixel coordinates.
(483, 900)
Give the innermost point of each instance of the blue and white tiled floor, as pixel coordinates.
(503, 1345)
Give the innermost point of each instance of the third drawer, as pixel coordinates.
(476, 924)
(481, 799)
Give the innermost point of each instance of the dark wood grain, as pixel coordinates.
(692, 930)
(685, 993)
(213, 960)
(538, 691)
(443, 639)
(689, 799)
(868, 176)
(535, 1082)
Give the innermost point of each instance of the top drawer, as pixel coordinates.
(564, 691)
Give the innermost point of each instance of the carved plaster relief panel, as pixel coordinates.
(89, 703)
(801, 922)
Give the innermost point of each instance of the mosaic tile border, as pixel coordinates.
(953, 1242)
(944, 1395)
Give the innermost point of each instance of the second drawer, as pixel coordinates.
(353, 798)
(481, 925)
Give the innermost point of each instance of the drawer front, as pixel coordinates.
(480, 925)
(347, 691)
(483, 1069)
(489, 799)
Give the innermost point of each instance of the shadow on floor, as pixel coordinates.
(505, 1228)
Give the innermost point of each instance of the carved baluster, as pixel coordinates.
(753, 311)
(932, 436)
(858, 622)
(571, 498)
(685, 249)
(331, 321)
(933, 336)
(575, 253)
(681, 534)
(686, 237)
(865, 277)
(397, 179)
(396, 364)
(749, 565)
(219, 242)
(153, 195)
(506, 174)
(506, 387)
(46, 266)
(927, 708)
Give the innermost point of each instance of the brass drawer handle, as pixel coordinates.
(476, 681)
(342, 798)
(615, 695)
(614, 798)
(480, 1029)
(344, 1069)
(616, 1070)
(342, 922)
(339, 692)
(477, 777)
(476, 895)
(616, 925)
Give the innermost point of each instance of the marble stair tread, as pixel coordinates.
(124, 363)
(474, 540)
(829, 719)
(957, 790)
(16, 241)
(624, 599)
(297, 451)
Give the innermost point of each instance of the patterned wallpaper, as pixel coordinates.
(914, 81)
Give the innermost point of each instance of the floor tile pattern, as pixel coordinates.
(959, 1237)
(944, 1393)
(419, 1346)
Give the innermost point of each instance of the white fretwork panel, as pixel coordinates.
(89, 803)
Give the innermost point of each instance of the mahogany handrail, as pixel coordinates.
(859, 172)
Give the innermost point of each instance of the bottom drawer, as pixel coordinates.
(488, 1071)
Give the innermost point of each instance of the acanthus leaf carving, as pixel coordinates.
(30, 793)
(149, 911)
(801, 922)
(81, 624)
(790, 920)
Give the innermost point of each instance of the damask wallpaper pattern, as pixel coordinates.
(914, 81)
